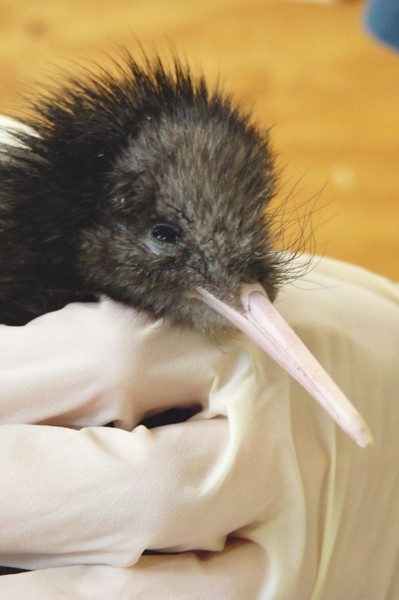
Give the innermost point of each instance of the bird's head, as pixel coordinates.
(184, 208)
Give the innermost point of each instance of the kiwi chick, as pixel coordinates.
(148, 188)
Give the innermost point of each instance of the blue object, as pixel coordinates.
(382, 20)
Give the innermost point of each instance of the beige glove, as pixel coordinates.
(90, 364)
(262, 461)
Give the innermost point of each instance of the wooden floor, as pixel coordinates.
(329, 92)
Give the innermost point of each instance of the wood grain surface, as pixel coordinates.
(310, 72)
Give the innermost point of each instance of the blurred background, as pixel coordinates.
(310, 72)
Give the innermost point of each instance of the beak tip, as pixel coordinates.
(364, 439)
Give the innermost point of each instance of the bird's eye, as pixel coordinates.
(166, 233)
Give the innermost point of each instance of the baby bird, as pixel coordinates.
(148, 188)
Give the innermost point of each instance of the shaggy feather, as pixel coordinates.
(140, 186)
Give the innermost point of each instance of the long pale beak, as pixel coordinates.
(261, 321)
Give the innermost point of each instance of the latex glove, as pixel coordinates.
(235, 573)
(90, 364)
(280, 474)
(67, 367)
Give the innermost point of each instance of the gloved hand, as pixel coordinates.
(92, 364)
(262, 461)
(87, 365)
